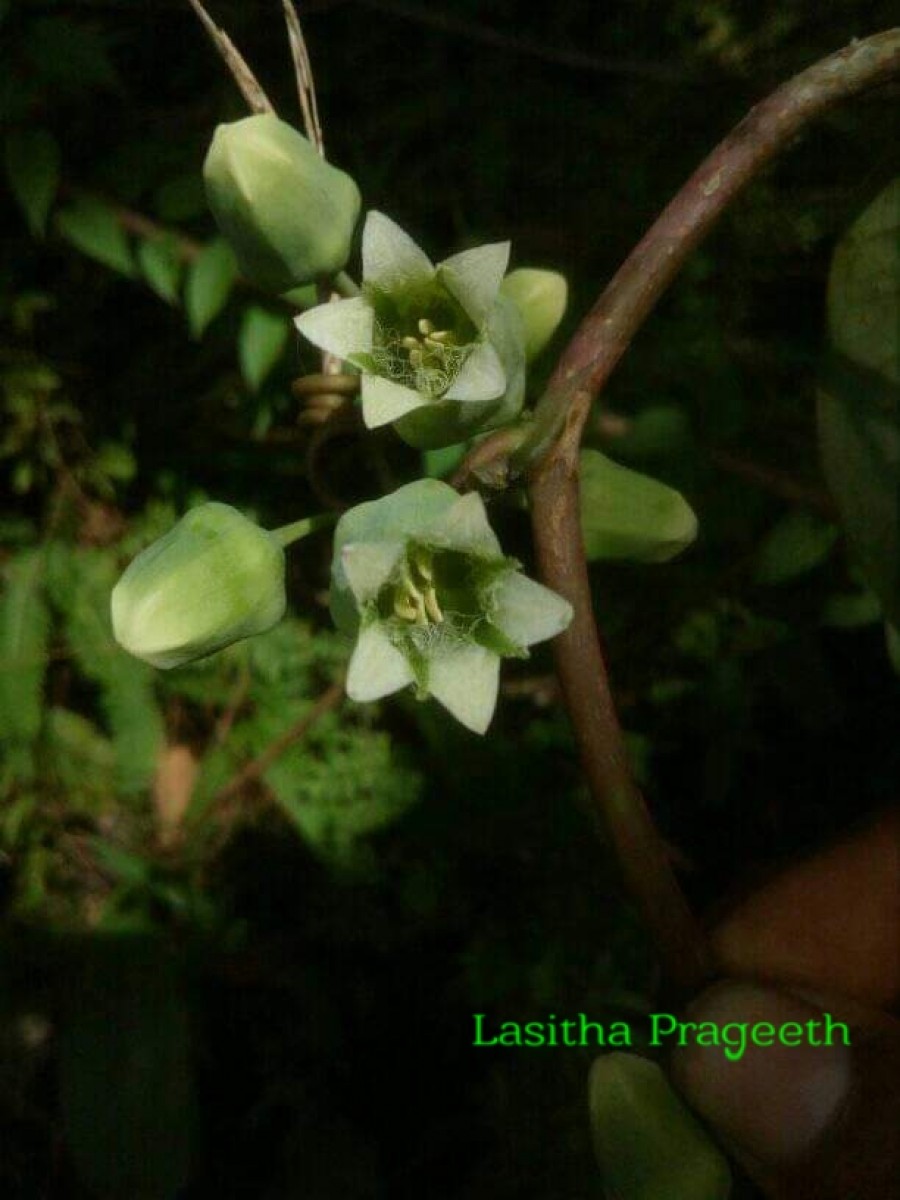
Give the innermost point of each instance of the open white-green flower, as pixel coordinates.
(419, 577)
(440, 350)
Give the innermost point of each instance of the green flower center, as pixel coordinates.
(439, 598)
(433, 598)
(421, 338)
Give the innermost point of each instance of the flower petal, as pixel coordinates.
(466, 680)
(473, 277)
(527, 612)
(377, 667)
(384, 401)
(481, 378)
(391, 259)
(343, 327)
(367, 566)
(465, 526)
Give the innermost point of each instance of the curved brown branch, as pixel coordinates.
(257, 767)
(585, 687)
(584, 367)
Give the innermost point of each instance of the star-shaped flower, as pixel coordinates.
(440, 350)
(419, 577)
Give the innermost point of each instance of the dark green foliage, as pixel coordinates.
(24, 629)
(79, 584)
(125, 1086)
(858, 413)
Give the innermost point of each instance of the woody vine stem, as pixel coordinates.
(550, 455)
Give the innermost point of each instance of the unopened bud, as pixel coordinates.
(212, 580)
(288, 215)
(541, 298)
(647, 1142)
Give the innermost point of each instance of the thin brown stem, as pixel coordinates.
(584, 367)
(775, 482)
(258, 766)
(250, 87)
(608, 329)
(586, 691)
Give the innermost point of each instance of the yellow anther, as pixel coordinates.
(410, 343)
(443, 337)
(415, 357)
(432, 607)
(405, 608)
(426, 326)
(422, 567)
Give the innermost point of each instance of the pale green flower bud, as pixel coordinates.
(213, 579)
(647, 1142)
(288, 215)
(541, 298)
(625, 514)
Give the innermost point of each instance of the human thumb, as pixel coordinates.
(809, 1120)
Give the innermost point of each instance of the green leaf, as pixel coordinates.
(92, 227)
(77, 753)
(859, 400)
(209, 283)
(22, 477)
(438, 464)
(892, 644)
(798, 543)
(628, 515)
(24, 634)
(115, 461)
(70, 56)
(342, 786)
(864, 288)
(125, 1084)
(859, 444)
(32, 168)
(303, 297)
(161, 266)
(80, 583)
(849, 610)
(181, 199)
(261, 342)
(128, 868)
(646, 1140)
(660, 431)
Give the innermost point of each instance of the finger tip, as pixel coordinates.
(773, 1100)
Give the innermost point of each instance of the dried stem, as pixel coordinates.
(251, 89)
(258, 766)
(584, 367)
(306, 88)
